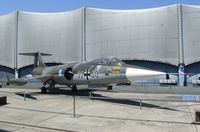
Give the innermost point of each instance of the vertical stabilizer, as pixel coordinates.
(38, 62)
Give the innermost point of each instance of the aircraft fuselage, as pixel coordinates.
(100, 75)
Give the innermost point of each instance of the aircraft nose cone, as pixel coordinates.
(134, 74)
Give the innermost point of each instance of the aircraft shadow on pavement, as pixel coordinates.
(133, 103)
(86, 93)
(2, 130)
(56, 91)
(27, 95)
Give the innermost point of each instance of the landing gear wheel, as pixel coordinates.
(109, 88)
(91, 93)
(43, 90)
(74, 88)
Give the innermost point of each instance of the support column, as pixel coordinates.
(16, 47)
(84, 34)
(181, 66)
(182, 78)
(16, 73)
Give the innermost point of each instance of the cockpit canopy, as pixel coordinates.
(105, 61)
(111, 61)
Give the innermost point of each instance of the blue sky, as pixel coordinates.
(7, 6)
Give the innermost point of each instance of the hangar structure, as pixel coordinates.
(165, 38)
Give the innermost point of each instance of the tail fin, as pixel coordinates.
(38, 62)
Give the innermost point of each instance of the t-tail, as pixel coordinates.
(38, 62)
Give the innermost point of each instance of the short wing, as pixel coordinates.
(18, 82)
(23, 81)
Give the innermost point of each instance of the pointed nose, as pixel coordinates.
(134, 74)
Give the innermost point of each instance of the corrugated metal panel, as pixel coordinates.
(191, 33)
(150, 34)
(7, 39)
(57, 33)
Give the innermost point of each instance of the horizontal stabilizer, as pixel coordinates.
(38, 62)
(35, 53)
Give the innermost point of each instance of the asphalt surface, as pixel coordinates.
(108, 111)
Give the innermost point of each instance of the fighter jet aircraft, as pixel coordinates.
(103, 71)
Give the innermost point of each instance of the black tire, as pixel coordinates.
(74, 88)
(109, 88)
(43, 90)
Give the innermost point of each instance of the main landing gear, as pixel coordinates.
(91, 93)
(51, 84)
(74, 88)
(43, 90)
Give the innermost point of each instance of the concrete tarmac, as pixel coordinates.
(110, 111)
